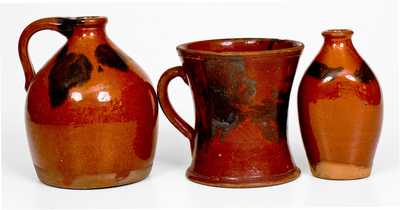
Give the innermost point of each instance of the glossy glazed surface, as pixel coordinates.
(91, 112)
(241, 91)
(340, 110)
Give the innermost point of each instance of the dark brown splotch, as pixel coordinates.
(263, 117)
(283, 105)
(364, 73)
(224, 115)
(228, 86)
(231, 77)
(66, 26)
(109, 57)
(321, 71)
(99, 69)
(271, 44)
(242, 89)
(271, 117)
(282, 112)
(70, 70)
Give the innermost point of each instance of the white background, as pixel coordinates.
(149, 34)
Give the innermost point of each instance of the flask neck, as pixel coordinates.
(338, 50)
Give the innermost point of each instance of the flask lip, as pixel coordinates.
(337, 33)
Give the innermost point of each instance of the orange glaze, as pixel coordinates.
(91, 112)
(340, 110)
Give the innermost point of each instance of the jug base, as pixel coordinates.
(244, 182)
(96, 181)
(339, 171)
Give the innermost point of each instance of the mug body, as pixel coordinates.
(241, 90)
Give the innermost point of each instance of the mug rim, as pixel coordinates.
(184, 50)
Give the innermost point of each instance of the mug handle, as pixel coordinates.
(173, 117)
(39, 25)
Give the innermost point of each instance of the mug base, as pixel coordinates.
(229, 182)
(96, 181)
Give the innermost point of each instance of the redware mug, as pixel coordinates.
(241, 90)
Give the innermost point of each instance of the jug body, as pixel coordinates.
(340, 110)
(91, 111)
(241, 90)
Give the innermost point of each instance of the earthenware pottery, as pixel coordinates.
(340, 110)
(241, 91)
(91, 112)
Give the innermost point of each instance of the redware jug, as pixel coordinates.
(91, 111)
(340, 110)
(241, 91)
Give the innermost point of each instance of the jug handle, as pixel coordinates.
(173, 117)
(39, 25)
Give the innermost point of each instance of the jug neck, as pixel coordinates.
(338, 49)
(84, 34)
(87, 27)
